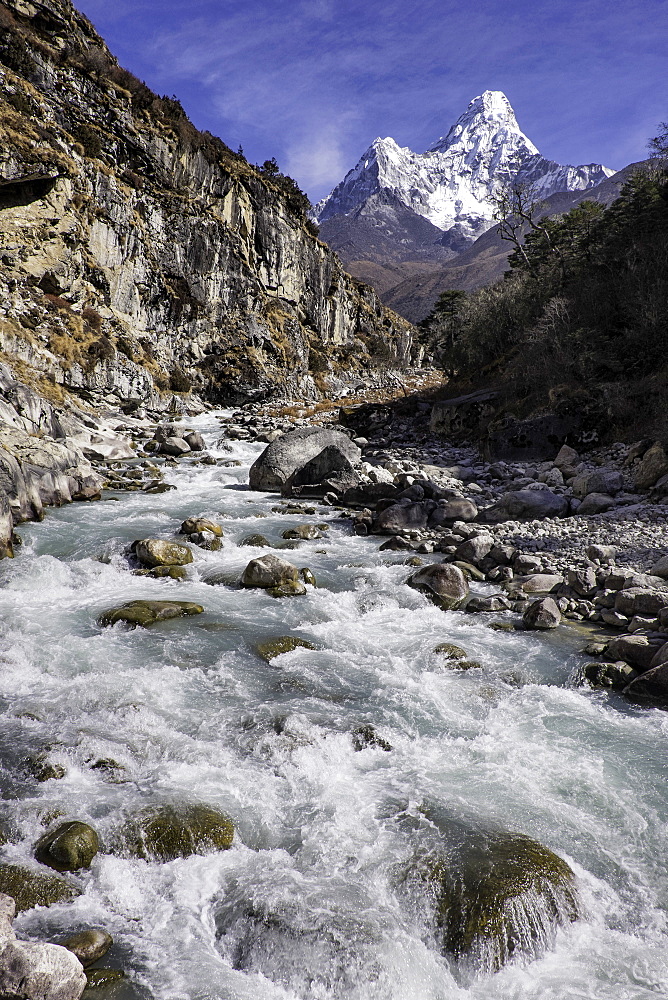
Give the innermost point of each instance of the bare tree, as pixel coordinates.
(518, 210)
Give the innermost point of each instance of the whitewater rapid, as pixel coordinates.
(307, 904)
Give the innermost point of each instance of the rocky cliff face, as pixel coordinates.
(141, 257)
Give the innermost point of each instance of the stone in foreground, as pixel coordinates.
(163, 833)
(35, 971)
(651, 685)
(498, 897)
(145, 613)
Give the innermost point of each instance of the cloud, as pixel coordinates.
(312, 82)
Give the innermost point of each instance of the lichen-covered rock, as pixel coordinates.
(32, 970)
(159, 552)
(272, 648)
(29, 887)
(68, 848)
(89, 945)
(269, 571)
(163, 833)
(308, 576)
(293, 588)
(445, 584)
(145, 613)
(206, 540)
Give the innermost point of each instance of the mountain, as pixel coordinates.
(377, 213)
(486, 260)
(140, 256)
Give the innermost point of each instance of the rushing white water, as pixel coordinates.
(307, 903)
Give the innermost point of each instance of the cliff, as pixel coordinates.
(142, 257)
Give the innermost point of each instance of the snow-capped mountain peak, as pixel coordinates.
(455, 182)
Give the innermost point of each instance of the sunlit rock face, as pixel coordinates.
(141, 256)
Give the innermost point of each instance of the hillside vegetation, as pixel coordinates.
(580, 321)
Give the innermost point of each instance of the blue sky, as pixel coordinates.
(313, 82)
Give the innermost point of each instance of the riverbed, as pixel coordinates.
(308, 903)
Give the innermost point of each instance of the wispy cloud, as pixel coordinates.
(314, 81)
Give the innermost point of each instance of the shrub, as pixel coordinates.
(179, 381)
(89, 138)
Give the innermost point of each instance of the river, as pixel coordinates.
(307, 903)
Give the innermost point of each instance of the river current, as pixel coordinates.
(307, 905)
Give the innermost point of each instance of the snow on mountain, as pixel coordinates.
(454, 183)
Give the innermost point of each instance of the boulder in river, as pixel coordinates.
(651, 685)
(542, 614)
(70, 847)
(31, 970)
(499, 897)
(194, 524)
(615, 675)
(146, 613)
(288, 454)
(402, 517)
(160, 552)
(272, 648)
(450, 651)
(89, 945)
(29, 887)
(269, 571)
(445, 584)
(259, 540)
(304, 532)
(163, 833)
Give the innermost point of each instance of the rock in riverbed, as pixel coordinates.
(159, 552)
(445, 584)
(162, 833)
(269, 571)
(68, 848)
(29, 887)
(280, 462)
(89, 946)
(146, 613)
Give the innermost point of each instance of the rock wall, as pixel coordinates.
(141, 256)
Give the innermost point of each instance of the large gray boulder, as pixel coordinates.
(607, 481)
(445, 584)
(289, 453)
(457, 509)
(653, 465)
(35, 971)
(403, 517)
(640, 601)
(542, 614)
(526, 505)
(632, 649)
(269, 571)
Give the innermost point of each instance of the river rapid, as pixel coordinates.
(308, 904)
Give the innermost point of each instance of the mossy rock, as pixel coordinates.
(258, 540)
(89, 946)
(70, 847)
(102, 977)
(450, 651)
(308, 576)
(499, 896)
(283, 644)
(366, 736)
(503, 627)
(29, 888)
(162, 833)
(145, 613)
(159, 552)
(291, 589)
(171, 572)
(43, 769)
